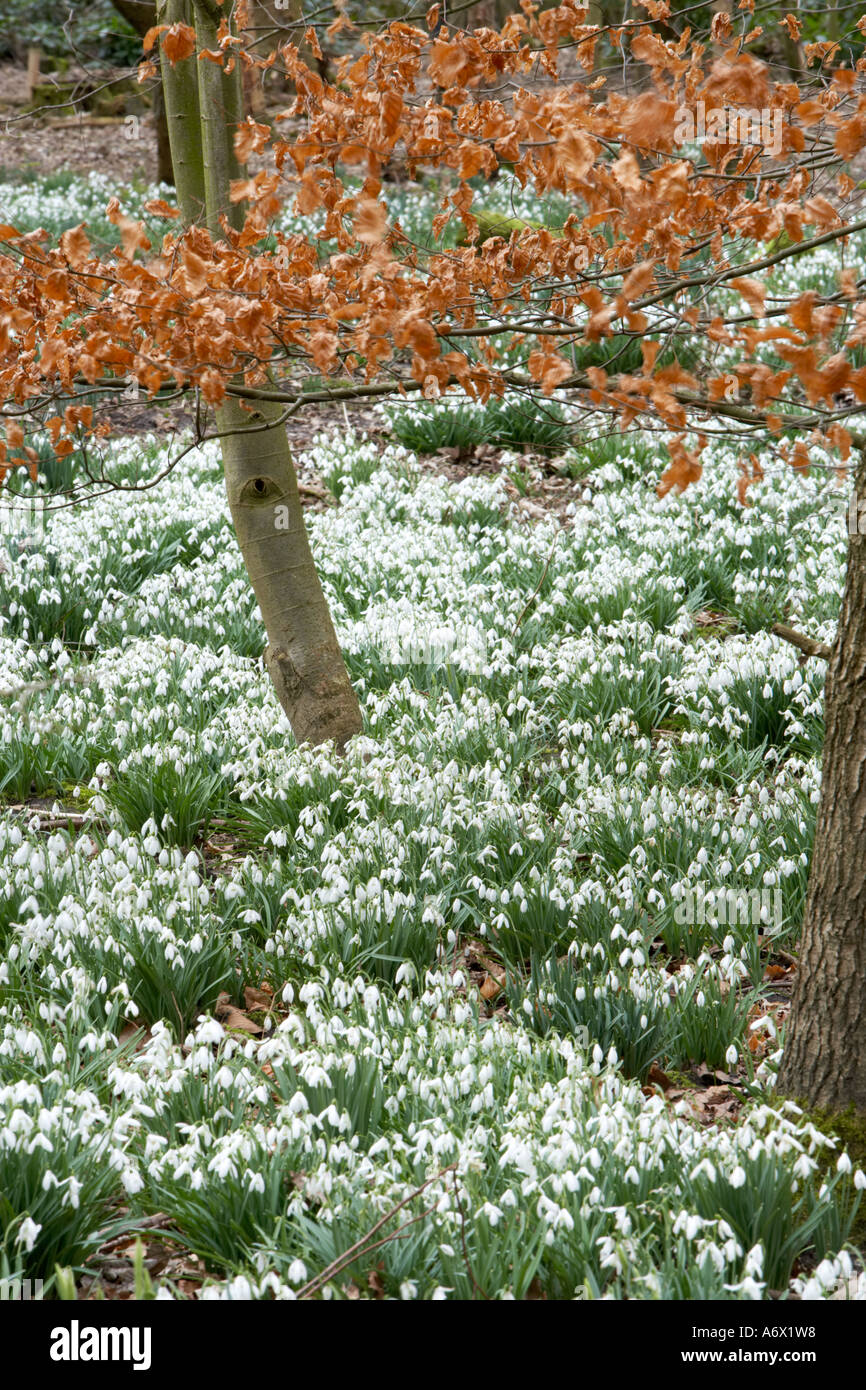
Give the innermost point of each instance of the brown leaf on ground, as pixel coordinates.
(232, 1018)
(777, 972)
(259, 998)
(133, 1030)
(714, 1104)
(658, 1077)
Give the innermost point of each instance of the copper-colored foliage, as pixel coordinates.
(191, 309)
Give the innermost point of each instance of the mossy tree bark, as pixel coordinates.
(825, 1055)
(303, 656)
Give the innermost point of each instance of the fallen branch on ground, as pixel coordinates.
(807, 645)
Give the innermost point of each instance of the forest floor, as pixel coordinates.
(487, 965)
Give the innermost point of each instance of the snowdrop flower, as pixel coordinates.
(826, 1274)
(209, 1031)
(28, 1232)
(754, 1262)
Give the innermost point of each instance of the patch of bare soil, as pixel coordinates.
(110, 1274)
(543, 493)
(119, 146)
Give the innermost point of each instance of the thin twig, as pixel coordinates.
(347, 1257)
(309, 490)
(537, 590)
(58, 820)
(22, 691)
(475, 1284)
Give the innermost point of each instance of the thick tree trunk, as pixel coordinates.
(303, 656)
(825, 1055)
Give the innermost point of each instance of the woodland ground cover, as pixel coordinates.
(272, 995)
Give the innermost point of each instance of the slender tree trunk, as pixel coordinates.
(303, 656)
(825, 1055)
(164, 166)
(253, 78)
(141, 15)
(180, 94)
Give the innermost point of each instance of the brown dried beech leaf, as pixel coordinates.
(232, 1018)
(752, 291)
(371, 222)
(179, 43)
(657, 1077)
(258, 998)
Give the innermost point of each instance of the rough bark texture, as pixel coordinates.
(825, 1056)
(303, 656)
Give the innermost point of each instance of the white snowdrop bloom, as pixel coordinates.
(132, 1181)
(491, 1212)
(749, 1288)
(812, 1291)
(209, 1031)
(239, 1290)
(732, 1056)
(28, 1232)
(754, 1262)
(826, 1274)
